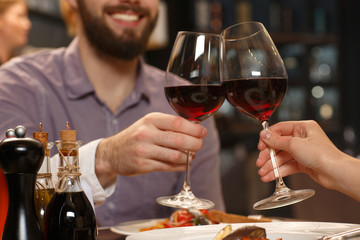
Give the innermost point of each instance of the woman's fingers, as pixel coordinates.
(265, 164)
(285, 170)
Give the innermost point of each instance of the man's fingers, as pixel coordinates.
(174, 123)
(178, 140)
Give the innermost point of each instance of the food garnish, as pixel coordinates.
(183, 218)
(194, 217)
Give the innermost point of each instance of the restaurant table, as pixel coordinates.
(106, 234)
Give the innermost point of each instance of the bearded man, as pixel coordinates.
(133, 142)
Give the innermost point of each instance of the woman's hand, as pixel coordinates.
(301, 146)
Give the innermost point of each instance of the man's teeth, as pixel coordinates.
(125, 17)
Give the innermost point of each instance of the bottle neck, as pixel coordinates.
(69, 171)
(44, 181)
(44, 176)
(69, 183)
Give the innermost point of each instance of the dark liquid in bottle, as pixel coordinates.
(70, 216)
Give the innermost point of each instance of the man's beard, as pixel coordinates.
(127, 46)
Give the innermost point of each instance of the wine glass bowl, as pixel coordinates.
(255, 81)
(194, 91)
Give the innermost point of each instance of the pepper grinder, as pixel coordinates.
(20, 160)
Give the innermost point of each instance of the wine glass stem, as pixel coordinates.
(187, 184)
(279, 181)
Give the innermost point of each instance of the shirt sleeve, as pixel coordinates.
(89, 181)
(88, 176)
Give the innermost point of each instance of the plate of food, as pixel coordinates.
(273, 231)
(185, 218)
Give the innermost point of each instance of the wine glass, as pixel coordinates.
(193, 89)
(255, 82)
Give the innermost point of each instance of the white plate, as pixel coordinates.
(132, 227)
(128, 228)
(274, 230)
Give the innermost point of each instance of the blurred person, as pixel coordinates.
(303, 146)
(14, 27)
(134, 143)
(68, 16)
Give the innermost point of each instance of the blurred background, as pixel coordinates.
(319, 41)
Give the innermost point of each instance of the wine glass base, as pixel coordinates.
(180, 201)
(283, 199)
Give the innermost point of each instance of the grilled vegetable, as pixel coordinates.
(251, 232)
(223, 232)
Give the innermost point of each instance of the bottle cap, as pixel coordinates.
(43, 137)
(68, 137)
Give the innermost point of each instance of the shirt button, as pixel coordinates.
(114, 121)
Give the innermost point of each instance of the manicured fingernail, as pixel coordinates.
(204, 132)
(265, 134)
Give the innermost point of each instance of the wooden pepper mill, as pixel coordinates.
(20, 160)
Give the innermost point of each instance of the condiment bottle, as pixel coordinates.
(44, 189)
(20, 160)
(70, 214)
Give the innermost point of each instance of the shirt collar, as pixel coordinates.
(75, 79)
(78, 84)
(142, 86)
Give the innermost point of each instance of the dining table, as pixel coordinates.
(106, 234)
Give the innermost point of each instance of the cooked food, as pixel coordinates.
(223, 232)
(223, 217)
(193, 217)
(184, 218)
(243, 233)
(252, 232)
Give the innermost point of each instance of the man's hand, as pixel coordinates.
(156, 142)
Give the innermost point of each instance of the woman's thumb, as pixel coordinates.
(271, 139)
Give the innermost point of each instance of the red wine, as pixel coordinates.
(257, 97)
(195, 102)
(70, 216)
